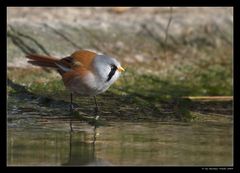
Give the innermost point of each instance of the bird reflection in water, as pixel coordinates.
(82, 152)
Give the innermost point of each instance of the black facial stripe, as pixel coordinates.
(112, 72)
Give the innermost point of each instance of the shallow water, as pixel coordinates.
(48, 141)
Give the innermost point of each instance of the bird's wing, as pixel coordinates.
(79, 59)
(70, 76)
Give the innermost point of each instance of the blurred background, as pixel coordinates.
(187, 46)
(161, 111)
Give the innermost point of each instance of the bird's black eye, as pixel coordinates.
(112, 72)
(113, 67)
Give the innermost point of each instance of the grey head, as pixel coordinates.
(107, 68)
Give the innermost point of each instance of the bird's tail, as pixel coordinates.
(43, 61)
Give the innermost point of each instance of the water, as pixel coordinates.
(50, 142)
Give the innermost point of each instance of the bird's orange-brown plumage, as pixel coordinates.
(79, 59)
(67, 77)
(43, 61)
(84, 58)
(80, 62)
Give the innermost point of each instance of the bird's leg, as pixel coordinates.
(96, 106)
(71, 110)
(71, 103)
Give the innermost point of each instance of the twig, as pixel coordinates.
(217, 98)
(167, 29)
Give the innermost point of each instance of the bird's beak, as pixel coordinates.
(120, 69)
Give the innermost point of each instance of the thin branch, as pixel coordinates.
(167, 29)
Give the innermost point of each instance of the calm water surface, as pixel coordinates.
(49, 142)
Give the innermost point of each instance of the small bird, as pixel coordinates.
(84, 72)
